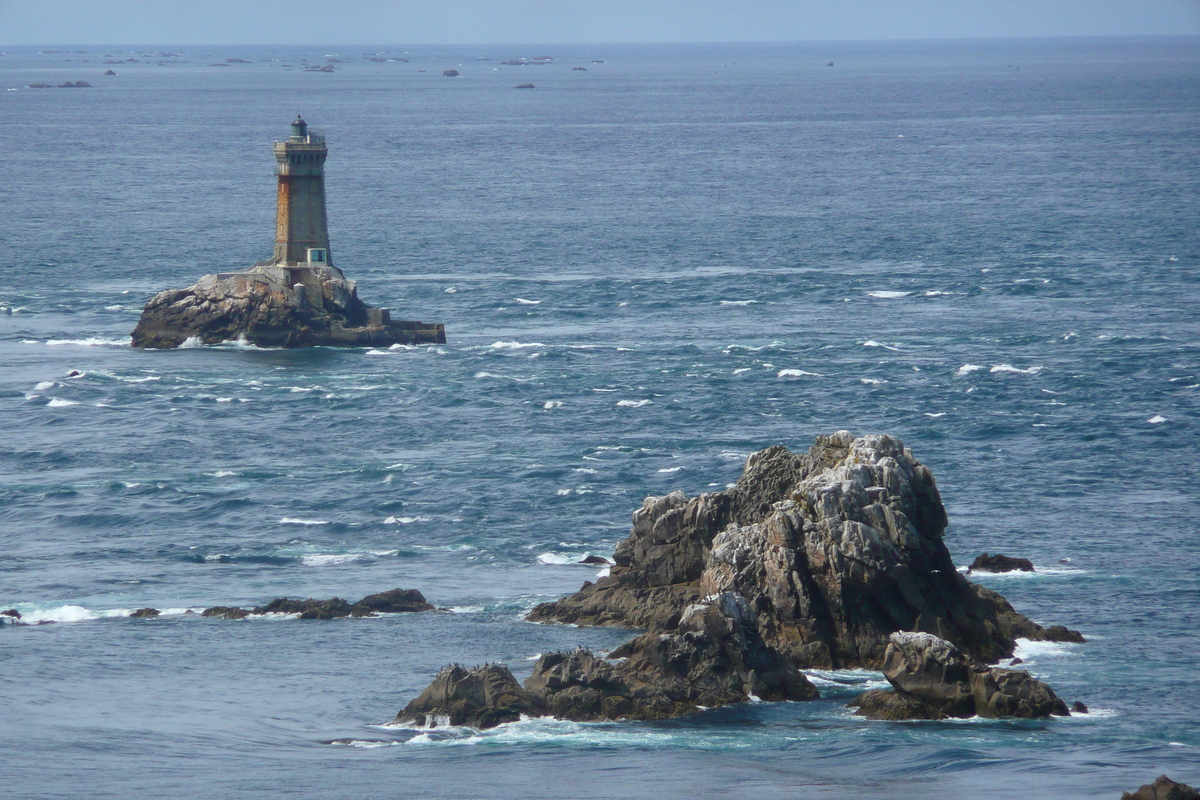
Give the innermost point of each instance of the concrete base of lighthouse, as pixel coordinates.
(273, 305)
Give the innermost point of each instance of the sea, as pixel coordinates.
(656, 261)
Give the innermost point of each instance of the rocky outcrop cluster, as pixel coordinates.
(390, 602)
(833, 550)
(1163, 788)
(273, 306)
(931, 679)
(714, 658)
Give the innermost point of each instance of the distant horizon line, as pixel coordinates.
(1055, 37)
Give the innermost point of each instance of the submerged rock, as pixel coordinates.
(273, 306)
(834, 550)
(389, 602)
(1000, 563)
(716, 658)
(1163, 788)
(931, 679)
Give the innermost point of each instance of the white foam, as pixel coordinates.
(1157, 419)
(584, 470)
(224, 399)
(43, 386)
(604, 573)
(739, 302)
(514, 345)
(191, 342)
(56, 402)
(1010, 368)
(525, 302)
(1030, 651)
(297, 521)
(224, 473)
(871, 381)
(557, 559)
(89, 342)
(404, 520)
(796, 373)
(633, 403)
(967, 369)
(888, 295)
(938, 415)
(740, 371)
(670, 470)
(450, 290)
(138, 380)
(873, 343)
(549, 404)
(563, 492)
(936, 293)
(365, 744)
(325, 559)
(69, 613)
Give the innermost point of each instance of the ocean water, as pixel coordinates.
(648, 269)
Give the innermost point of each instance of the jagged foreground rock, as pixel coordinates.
(834, 550)
(1163, 788)
(931, 679)
(272, 306)
(715, 658)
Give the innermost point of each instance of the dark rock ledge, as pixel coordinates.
(390, 602)
(1000, 563)
(833, 550)
(714, 658)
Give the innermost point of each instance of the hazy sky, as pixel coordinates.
(51, 22)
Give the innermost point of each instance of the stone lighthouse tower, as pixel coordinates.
(301, 228)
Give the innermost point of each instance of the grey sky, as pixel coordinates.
(51, 22)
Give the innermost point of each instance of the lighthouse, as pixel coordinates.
(301, 226)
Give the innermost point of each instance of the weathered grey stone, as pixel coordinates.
(483, 697)
(930, 677)
(274, 306)
(834, 550)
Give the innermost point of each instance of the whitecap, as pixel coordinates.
(873, 343)
(549, 404)
(739, 302)
(796, 373)
(585, 470)
(404, 520)
(936, 293)
(887, 295)
(398, 346)
(1157, 419)
(670, 470)
(563, 492)
(1030, 651)
(633, 403)
(740, 371)
(190, 342)
(43, 386)
(871, 381)
(1010, 368)
(525, 302)
(514, 345)
(376, 353)
(224, 399)
(296, 521)
(89, 342)
(325, 559)
(56, 402)
(967, 369)
(224, 473)
(556, 559)
(450, 290)
(938, 415)
(114, 308)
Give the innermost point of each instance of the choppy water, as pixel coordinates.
(647, 271)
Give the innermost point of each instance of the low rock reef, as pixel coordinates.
(833, 550)
(714, 658)
(275, 306)
(1000, 563)
(931, 679)
(390, 602)
(1163, 789)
